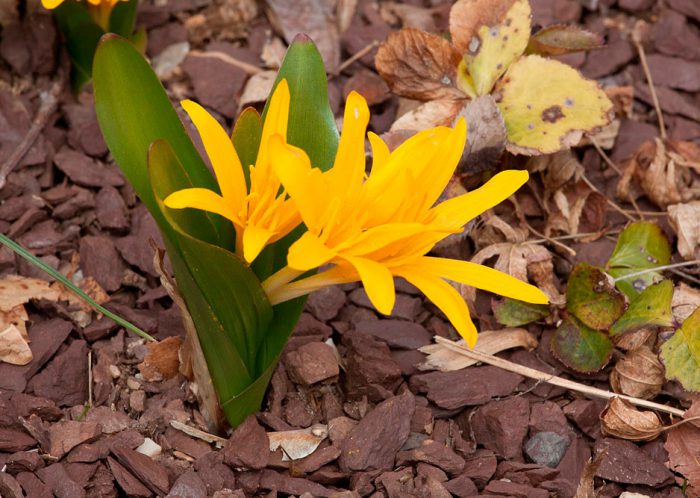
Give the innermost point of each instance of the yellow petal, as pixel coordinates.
(378, 283)
(375, 240)
(276, 121)
(459, 210)
(380, 152)
(304, 184)
(223, 157)
(349, 167)
(483, 277)
(51, 4)
(308, 252)
(254, 241)
(201, 198)
(445, 297)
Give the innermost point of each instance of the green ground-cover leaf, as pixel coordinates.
(591, 297)
(681, 354)
(651, 308)
(514, 313)
(581, 348)
(642, 245)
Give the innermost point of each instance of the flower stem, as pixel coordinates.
(279, 279)
(289, 291)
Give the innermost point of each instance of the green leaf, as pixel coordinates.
(134, 111)
(514, 313)
(651, 308)
(681, 354)
(311, 122)
(642, 245)
(123, 17)
(581, 348)
(591, 297)
(82, 36)
(561, 39)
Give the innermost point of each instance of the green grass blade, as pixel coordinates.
(73, 288)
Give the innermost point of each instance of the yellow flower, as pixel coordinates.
(99, 9)
(261, 216)
(383, 226)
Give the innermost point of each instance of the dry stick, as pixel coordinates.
(49, 102)
(650, 82)
(357, 55)
(686, 276)
(551, 240)
(657, 268)
(248, 68)
(553, 379)
(609, 201)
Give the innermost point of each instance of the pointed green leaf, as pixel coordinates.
(681, 354)
(581, 348)
(591, 297)
(311, 122)
(82, 36)
(122, 18)
(514, 313)
(246, 139)
(641, 245)
(134, 111)
(651, 308)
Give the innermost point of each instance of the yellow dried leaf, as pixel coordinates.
(13, 347)
(548, 105)
(495, 46)
(467, 16)
(16, 290)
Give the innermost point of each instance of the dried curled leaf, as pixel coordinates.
(685, 220)
(418, 65)
(432, 113)
(639, 374)
(495, 45)
(681, 354)
(561, 39)
(486, 135)
(548, 105)
(621, 419)
(298, 444)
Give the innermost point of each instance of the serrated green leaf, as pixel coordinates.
(134, 111)
(642, 245)
(651, 308)
(581, 348)
(561, 39)
(681, 354)
(591, 297)
(514, 313)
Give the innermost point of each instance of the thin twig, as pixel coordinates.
(686, 276)
(604, 156)
(199, 434)
(657, 268)
(609, 201)
(553, 379)
(49, 102)
(581, 235)
(551, 240)
(90, 378)
(224, 57)
(655, 99)
(357, 55)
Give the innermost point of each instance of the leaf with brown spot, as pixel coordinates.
(495, 43)
(418, 65)
(622, 420)
(639, 374)
(547, 106)
(432, 113)
(559, 39)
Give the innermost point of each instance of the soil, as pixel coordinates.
(88, 418)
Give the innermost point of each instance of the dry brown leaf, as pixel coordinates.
(315, 18)
(345, 11)
(298, 443)
(467, 16)
(490, 342)
(13, 347)
(586, 485)
(418, 65)
(639, 374)
(621, 419)
(683, 447)
(409, 16)
(578, 209)
(636, 339)
(605, 137)
(16, 290)
(622, 98)
(557, 169)
(685, 300)
(433, 113)
(162, 360)
(685, 220)
(486, 135)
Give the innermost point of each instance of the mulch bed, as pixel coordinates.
(393, 431)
